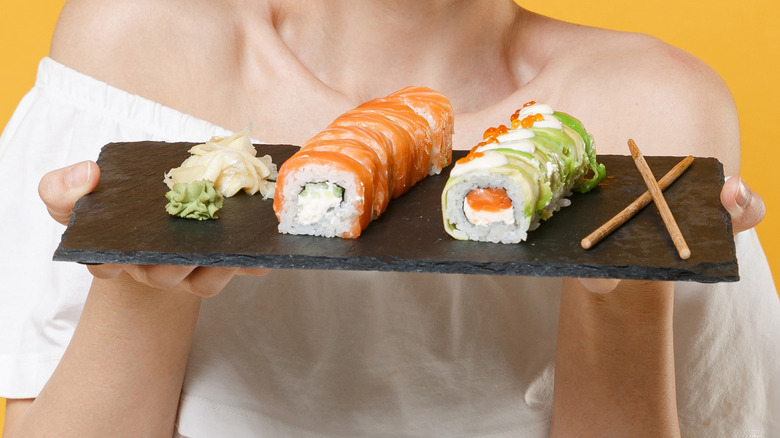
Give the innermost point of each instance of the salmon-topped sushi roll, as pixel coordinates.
(344, 177)
(437, 111)
(403, 156)
(404, 116)
(373, 139)
(323, 193)
(365, 155)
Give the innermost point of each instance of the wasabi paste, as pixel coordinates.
(196, 200)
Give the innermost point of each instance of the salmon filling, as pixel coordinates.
(488, 205)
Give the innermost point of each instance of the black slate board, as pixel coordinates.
(124, 221)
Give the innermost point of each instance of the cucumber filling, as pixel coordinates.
(316, 199)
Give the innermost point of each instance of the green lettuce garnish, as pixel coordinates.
(196, 200)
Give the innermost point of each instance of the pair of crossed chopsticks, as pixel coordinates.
(655, 194)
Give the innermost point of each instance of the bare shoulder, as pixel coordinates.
(93, 34)
(628, 85)
(145, 46)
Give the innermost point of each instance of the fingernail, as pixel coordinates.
(78, 174)
(599, 285)
(742, 197)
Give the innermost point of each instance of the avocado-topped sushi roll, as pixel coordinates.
(519, 175)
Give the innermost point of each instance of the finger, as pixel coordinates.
(253, 272)
(61, 188)
(599, 285)
(746, 207)
(612, 286)
(208, 282)
(105, 271)
(159, 276)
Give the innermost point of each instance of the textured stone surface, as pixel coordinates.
(124, 221)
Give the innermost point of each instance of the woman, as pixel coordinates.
(307, 353)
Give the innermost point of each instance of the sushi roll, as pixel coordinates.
(345, 176)
(519, 175)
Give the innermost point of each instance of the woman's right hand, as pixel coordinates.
(61, 188)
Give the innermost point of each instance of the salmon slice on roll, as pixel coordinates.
(344, 177)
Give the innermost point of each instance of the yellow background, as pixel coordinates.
(741, 40)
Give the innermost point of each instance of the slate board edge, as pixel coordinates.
(710, 274)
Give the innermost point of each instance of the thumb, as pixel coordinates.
(61, 188)
(745, 206)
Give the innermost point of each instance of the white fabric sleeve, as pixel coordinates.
(727, 351)
(66, 118)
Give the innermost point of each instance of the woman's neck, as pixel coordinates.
(446, 45)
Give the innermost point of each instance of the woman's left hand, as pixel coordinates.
(746, 207)
(747, 210)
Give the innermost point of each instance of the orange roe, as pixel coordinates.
(514, 118)
(470, 157)
(490, 135)
(495, 132)
(490, 132)
(529, 121)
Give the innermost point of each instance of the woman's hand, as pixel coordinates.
(747, 210)
(61, 188)
(745, 206)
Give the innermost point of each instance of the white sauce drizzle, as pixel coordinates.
(517, 145)
(489, 160)
(516, 134)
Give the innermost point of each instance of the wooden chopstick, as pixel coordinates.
(634, 208)
(660, 201)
